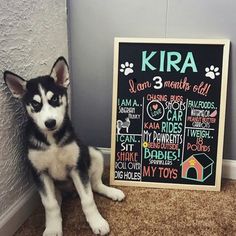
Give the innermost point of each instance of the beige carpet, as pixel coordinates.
(148, 211)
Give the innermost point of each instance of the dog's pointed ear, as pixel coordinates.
(60, 72)
(15, 83)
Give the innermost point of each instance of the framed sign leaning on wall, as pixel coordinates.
(169, 102)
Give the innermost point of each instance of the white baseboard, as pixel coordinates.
(228, 168)
(19, 212)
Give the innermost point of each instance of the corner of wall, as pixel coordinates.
(15, 216)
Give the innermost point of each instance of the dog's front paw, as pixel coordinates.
(116, 194)
(52, 232)
(99, 226)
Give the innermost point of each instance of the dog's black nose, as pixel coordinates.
(50, 124)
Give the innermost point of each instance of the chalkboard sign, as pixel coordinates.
(169, 100)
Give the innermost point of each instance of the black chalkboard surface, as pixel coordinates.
(169, 99)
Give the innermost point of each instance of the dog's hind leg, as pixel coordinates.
(95, 173)
(52, 208)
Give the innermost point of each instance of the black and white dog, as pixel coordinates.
(55, 153)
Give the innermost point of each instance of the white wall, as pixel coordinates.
(33, 33)
(93, 26)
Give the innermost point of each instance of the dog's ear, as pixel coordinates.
(15, 83)
(60, 72)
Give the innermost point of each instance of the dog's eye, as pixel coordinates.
(54, 98)
(35, 104)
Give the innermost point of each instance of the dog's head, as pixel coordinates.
(45, 97)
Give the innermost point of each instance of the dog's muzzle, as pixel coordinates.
(50, 124)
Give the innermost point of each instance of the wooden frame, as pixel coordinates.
(226, 45)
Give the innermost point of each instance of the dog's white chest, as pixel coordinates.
(56, 160)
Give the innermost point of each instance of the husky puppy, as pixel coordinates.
(55, 153)
(123, 124)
